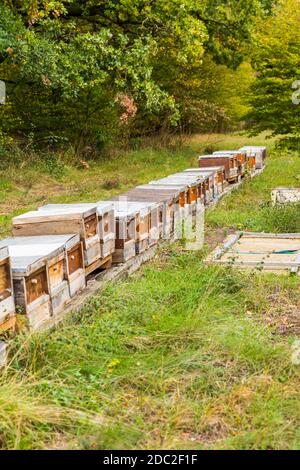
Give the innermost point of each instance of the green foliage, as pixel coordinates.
(277, 61)
(68, 61)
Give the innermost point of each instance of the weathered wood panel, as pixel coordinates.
(269, 252)
(286, 196)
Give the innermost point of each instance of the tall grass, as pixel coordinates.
(178, 356)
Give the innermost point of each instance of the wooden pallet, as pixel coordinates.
(261, 251)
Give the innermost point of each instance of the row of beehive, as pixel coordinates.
(56, 247)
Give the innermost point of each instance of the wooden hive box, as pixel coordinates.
(192, 188)
(126, 232)
(143, 217)
(180, 202)
(260, 154)
(219, 177)
(149, 221)
(210, 177)
(286, 196)
(45, 274)
(57, 220)
(31, 288)
(106, 222)
(69, 264)
(7, 303)
(179, 193)
(277, 253)
(229, 162)
(168, 204)
(190, 183)
(241, 157)
(197, 185)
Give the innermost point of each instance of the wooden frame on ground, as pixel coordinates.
(260, 251)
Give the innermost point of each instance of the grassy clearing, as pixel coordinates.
(178, 356)
(27, 184)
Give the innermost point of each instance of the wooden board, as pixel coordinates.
(286, 196)
(271, 252)
(36, 285)
(99, 264)
(8, 324)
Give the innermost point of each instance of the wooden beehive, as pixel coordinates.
(69, 264)
(167, 199)
(191, 184)
(260, 154)
(261, 251)
(219, 177)
(286, 196)
(229, 162)
(126, 231)
(7, 304)
(31, 287)
(201, 186)
(56, 220)
(149, 220)
(241, 159)
(45, 266)
(106, 222)
(213, 188)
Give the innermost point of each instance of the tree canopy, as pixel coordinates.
(276, 58)
(75, 68)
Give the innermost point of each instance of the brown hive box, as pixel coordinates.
(259, 153)
(229, 162)
(47, 272)
(57, 220)
(170, 201)
(217, 180)
(106, 222)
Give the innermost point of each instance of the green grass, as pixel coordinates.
(32, 183)
(178, 356)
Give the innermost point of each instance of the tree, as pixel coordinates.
(67, 61)
(276, 58)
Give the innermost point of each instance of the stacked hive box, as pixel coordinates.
(260, 154)
(218, 177)
(106, 223)
(197, 180)
(241, 158)
(47, 271)
(229, 162)
(127, 220)
(149, 227)
(63, 220)
(170, 200)
(7, 305)
(192, 185)
(211, 182)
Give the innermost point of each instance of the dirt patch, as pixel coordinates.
(216, 236)
(283, 314)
